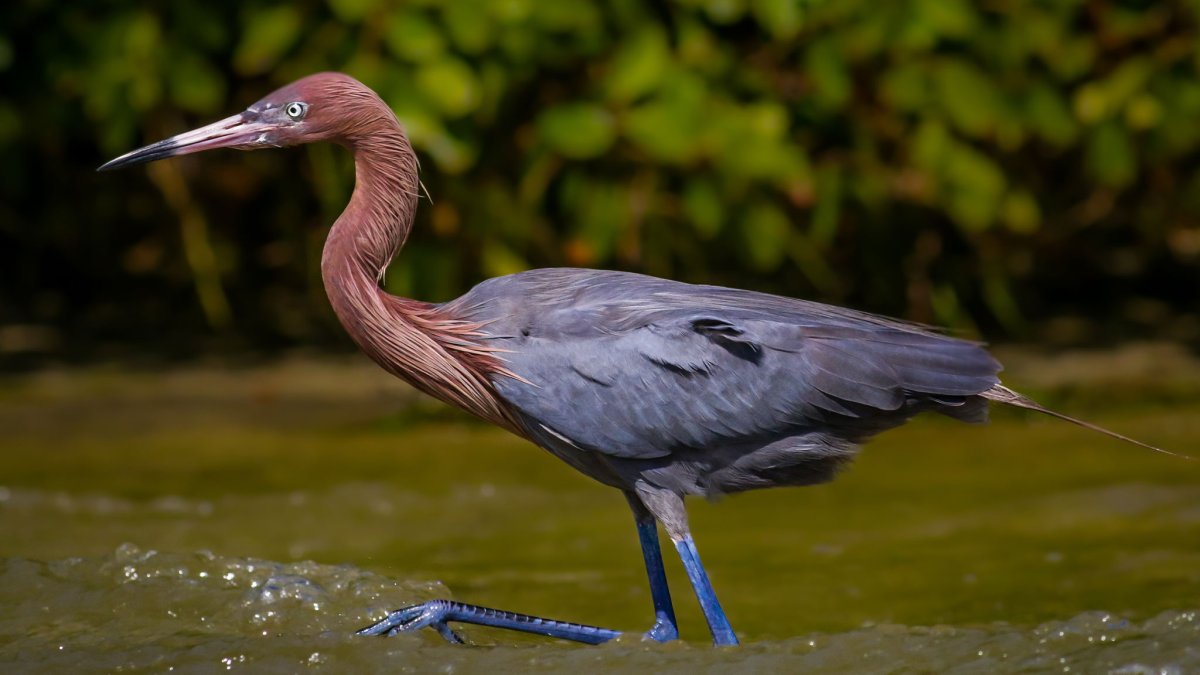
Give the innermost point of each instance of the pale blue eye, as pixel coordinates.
(296, 110)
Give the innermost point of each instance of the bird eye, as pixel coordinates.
(296, 110)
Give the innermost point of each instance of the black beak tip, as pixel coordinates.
(150, 153)
(126, 160)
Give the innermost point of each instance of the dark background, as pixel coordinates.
(1020, 170)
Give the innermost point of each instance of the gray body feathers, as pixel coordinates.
(708, 390)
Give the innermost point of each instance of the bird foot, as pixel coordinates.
(663, 631)
(434, 613)
(437, 614)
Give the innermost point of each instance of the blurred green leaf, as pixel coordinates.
(510, 11)
(667, 127)
(703, 207)
(931, 146)
(499, 260)
(948, 18)
(1020, 212)
(969, 98)
(1110, 156)
(1000, 300)
(906, 86)
(1127, 81)
(577, 130)
(413, 36)
(1091, 103)
(353, 11)
(267, 33)
(827, 215)
(142, 35)
(750, 142)
(1049, 116)
(658, 130)
(451, 85)
(195, 85)
(765, 231)
(468, 26)
(1143, 112)
(723, 11)
(419, 120)
(639, 64)
(976, 186)
(947, 308)
(452, 154)
(826, 66)
(599, 208)
(812, 264)
(697, 47)
(1072, 58)
(574, 16)
(145, 90)
(781, 17)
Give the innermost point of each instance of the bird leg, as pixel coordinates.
(649, 505)
(668, 508)
(718, 624)
(438, 613)
(665, 628)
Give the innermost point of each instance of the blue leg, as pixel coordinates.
(438, 613)
(722, 632)
(667, 507)
(665, 628)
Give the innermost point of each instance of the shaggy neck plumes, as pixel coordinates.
(435, 353)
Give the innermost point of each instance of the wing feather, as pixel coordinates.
(635, 366)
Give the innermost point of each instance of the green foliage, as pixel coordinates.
(941, 159)
(577, 130)
(267, 33)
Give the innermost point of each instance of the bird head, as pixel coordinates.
(324, 106)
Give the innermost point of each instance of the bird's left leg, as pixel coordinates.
(437, 614)
(665, 628)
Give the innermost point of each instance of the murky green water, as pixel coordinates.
(249, 520)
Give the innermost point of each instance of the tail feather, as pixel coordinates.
(1002, 394)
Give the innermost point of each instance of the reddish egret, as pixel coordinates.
(658, 388)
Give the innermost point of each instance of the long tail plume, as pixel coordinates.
(1002, 394)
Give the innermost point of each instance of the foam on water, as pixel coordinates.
(1005, 534)
(189, 612)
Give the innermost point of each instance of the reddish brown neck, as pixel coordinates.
(380, 214)
(410, 339)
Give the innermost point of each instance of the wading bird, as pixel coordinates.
(658, 388)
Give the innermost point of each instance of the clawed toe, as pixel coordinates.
(437, 614)
(663, 631)
(413, 618)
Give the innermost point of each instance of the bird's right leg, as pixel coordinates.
(667, 507)
(665, 628)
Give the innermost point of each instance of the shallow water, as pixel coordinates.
(252, 519)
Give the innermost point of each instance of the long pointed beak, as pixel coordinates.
(243, 130)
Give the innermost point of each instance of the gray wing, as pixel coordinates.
(636, 366)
